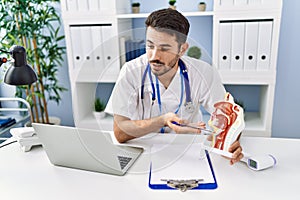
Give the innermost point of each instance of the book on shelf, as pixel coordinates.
(130, 49)
(6, 121)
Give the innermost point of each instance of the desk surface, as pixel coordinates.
(31, 176)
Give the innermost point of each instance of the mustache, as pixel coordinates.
(156, 62)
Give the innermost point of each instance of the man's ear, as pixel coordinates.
(183, 49)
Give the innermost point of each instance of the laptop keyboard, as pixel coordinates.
(124, 161)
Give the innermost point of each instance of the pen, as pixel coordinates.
(210, 132)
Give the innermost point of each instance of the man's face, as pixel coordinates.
(162, 51)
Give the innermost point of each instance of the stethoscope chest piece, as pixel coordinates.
(189, 107)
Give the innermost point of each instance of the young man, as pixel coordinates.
(164, 87)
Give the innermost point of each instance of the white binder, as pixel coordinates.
(264, 45)
(110, 44)
(71, 5)
(241, 2)
(76, 46)
(87, 47)
(254, 2)
(98, 57)
(122, 50)
(83, 5)
(106, 5)
(93, 5)
(224, 46)
(251, 42)
(226, 2)
(237, 48)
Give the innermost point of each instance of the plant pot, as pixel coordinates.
(202, 7)
(99, 115)
(135, 9)
(172, 7)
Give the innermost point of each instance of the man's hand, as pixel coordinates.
(236, 151)
(178, 125)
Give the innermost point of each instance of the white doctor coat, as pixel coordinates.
(205, 85)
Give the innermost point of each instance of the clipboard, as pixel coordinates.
(183, 167)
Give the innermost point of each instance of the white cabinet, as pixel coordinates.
(244, 49)
(246, 36)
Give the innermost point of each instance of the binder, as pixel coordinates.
(237, 48)
(251, 42)
(110, 43)
(87, 46)
(122, 50)
(97, 55)
(72, 5)
(93, 5)
(128, 50)
(110, 54)
(264, 45)
(75, 34)
(181, 166)
(225, 45)
(241, 2)
(106, 5)
(254, 2)
(83, 5)
(6, 121)
(226, 2)
(140, 48)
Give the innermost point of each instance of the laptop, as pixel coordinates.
(85, 149)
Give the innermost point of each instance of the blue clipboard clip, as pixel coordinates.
(183, 185)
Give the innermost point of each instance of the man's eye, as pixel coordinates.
(150, 46)
(164, 49)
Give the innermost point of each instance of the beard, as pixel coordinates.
(160, 68)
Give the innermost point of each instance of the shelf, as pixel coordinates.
(248, 77)
(145, 15)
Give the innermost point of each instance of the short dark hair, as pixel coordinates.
(169, 21)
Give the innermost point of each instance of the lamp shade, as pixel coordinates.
(20, 73)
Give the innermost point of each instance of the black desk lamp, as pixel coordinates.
(20, 73)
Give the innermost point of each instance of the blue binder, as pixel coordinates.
(210, 183)
(6, 121)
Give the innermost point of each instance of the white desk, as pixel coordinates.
(31, 176)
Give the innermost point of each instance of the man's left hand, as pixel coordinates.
(236, 151)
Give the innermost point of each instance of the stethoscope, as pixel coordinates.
(189, 107)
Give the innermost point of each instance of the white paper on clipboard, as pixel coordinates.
(180, 162)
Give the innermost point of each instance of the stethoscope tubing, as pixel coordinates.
(184, 85)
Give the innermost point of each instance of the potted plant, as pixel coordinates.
(135, 7)
(35, 25)
(172, 4)
(99, 107)
(202, 6)
(194, 52)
